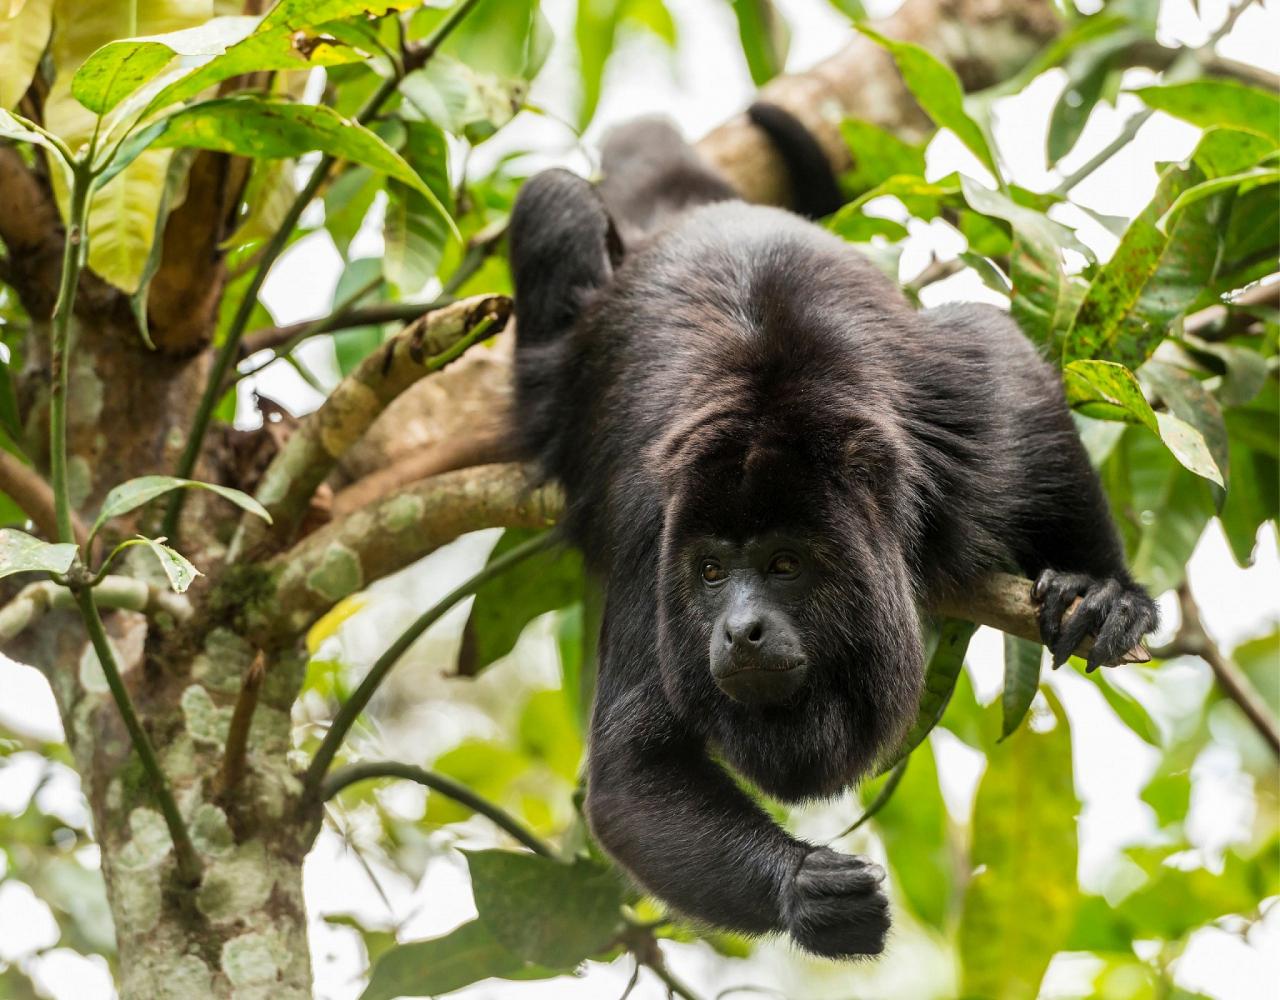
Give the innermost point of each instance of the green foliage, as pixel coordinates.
(133, 494)
(23, 553)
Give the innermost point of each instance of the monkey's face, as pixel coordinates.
(787, 624)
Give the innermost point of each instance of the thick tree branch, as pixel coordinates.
(1193, 640)
(34, 496)
(309, 455)
(381, 538)
(125, 593)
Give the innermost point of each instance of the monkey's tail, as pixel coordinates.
(814, 189)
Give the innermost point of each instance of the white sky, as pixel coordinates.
(704, 83)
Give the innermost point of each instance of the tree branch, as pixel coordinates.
(34, 496)
(353, 706)
(1193, 640)
(125, 593)
(381, 538)
(1223, 319)
(237, 745)
(311, 451)
(343, 777)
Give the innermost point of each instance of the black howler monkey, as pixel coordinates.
(773, 461)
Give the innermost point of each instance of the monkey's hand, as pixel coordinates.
(1116, 613)
(833, 905)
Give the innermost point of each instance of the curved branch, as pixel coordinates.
(311, 451)
(34, 497)
(125, 593)
(341, 778)
(375, 541)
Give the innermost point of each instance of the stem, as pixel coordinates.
(1186, 62)
(237, 745)
(185, 854)
(881, 800)
(353, 706)
(81, 182)
(352, 773)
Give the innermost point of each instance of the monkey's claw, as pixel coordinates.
(833, 905)
(1116, 613)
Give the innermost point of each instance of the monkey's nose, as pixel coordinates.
(747, 631)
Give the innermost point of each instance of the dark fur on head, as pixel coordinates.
(719, 374)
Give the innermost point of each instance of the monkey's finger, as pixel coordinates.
(1127, 621)
(1061, 591)
(1087, 618)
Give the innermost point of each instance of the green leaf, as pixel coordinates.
(115, 71)
(258, 127)
(353, 345)
(877, 155)
(1020, 904)
(550, 580)
(547, 912)
(853, 9)
(1153, 277)
(1187, 399)
(465, 955)
(764, 37)
(1128, 708)
(595, 30)
(450, 94)
(24, 33)
(939, 681)
(176, 566)
(347, 202)
(1089, 77)
(12, 128)
(1108, 391)
(414, 233)
(486, 768)
(1218, 102)
(1247, 179)
(23, 553)
(1041, 290)
(134, 493)
(859, 228)
(1021, 680)
(938, 90)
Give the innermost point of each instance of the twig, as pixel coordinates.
(280, 338)
(1193, 640)
(654, 963)
(188, 861)
(33, 602)
(354, 705)
(233, 758)
(936, 270)
(363, 771)
(230, 350)
(1185, 60)
(34, 497)
(880, 801)
(1225, 318)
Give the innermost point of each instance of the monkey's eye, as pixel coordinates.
(712, 572)
(784, 564)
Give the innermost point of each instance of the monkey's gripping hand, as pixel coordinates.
(685, 831)
(833, 905)
(1116, 612)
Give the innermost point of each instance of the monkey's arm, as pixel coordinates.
(687, 833)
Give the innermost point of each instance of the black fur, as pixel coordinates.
(741, 372)
(814, 190)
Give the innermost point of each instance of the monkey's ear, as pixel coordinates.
(563, 245)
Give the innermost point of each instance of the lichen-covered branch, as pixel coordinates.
(424, 346)
(125, 593)
(375, 541)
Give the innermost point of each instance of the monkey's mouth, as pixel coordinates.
(762, 682)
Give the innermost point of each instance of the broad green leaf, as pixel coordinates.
(1189, 447)
(176, 566)
(450, 94)
(13, 128)
(133, 494)
(414, 233)
(1186, 398)
(939, 681)
(550, 580)
(268, 195)
(465, 955)
(853, 9)
(126, 204)
(23, 553)
(1246, 180)
(486, 768)
(548, 912)
(991, 275)
(1168, 793)
(1153, 276)
(548, 732)
(115, 71)
(1020, 904)
(859, 228)
(1222, 151)
(1021, 681)
(509, 39)
(1041, 290)
(938, 90)
(1254, 496)
(916, 833)
(595, 30)
(1108, 391)
(353, 345)
(764, 37)
(347, 202)
(24, 33)
(1210, 103)
(1086, 85)
(877, 155)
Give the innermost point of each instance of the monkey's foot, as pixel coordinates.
(833, 905)
(1116, 614)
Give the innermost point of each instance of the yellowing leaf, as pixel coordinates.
(24, 33)
(329, 624)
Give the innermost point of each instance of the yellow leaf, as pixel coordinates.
(24, 32)
(332, 621)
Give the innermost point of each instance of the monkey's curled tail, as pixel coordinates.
(814, 189)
